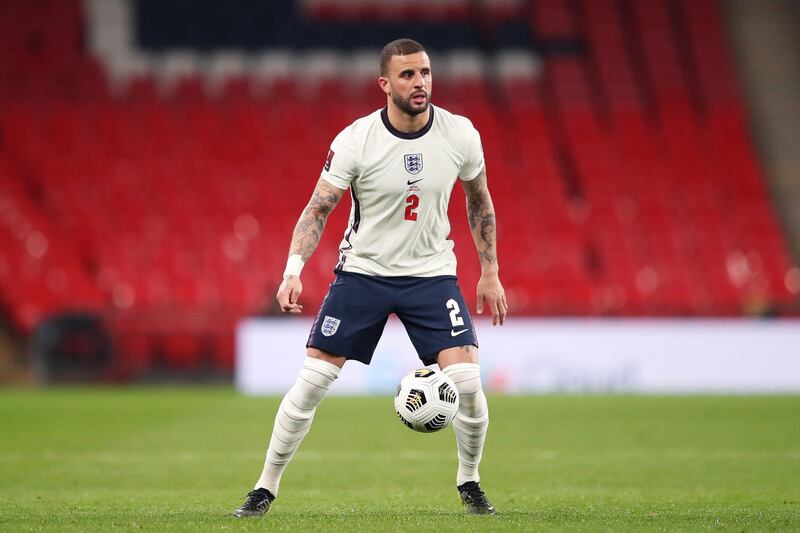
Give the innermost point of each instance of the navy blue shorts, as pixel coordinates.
(354, 313)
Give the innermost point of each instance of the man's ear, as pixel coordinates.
(384, 83)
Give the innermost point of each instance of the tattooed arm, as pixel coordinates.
(308, 230)
(305, 239)
(480, 213)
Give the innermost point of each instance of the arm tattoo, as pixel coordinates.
(480, 212)
(308, 230)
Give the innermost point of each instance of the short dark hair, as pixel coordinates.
(398, 47)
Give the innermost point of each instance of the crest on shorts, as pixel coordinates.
(330, 325)
(413, 163)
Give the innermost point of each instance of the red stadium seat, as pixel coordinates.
(624, 179)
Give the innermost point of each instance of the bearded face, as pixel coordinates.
(407, 82)
(414, 103)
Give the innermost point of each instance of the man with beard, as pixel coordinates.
(400, 164)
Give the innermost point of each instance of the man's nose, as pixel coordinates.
(419, 80)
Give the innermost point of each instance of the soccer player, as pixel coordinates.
(400, 164)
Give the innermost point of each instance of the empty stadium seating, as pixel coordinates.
(624, 180)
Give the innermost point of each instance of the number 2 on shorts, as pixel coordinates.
(454, 310)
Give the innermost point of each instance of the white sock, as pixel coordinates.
(294, 418)
(471, 421)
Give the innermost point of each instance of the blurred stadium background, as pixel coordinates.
(643, 158)
(154, 156)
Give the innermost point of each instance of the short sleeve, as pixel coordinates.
(340, 164)
(473, 156)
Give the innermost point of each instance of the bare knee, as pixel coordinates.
(316, 353)
(457, 354)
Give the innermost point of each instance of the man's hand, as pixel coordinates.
(490, 290)
(288, 294)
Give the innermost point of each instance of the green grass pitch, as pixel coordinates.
(181, 458)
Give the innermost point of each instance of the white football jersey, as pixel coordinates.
(400, 185)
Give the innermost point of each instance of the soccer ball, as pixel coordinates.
(426, 400)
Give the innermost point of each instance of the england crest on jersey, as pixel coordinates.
(330, 325)
(413, 163)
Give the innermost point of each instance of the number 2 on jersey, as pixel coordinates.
(413, 202)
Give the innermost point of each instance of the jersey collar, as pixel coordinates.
(397, 133)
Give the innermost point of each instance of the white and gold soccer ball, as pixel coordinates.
(426, 400)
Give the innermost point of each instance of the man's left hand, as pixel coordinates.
(491, 291)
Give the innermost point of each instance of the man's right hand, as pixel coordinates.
(289, 293)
